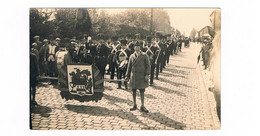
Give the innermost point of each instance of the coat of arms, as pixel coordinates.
(80, 79)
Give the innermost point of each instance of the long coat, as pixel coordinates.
(138, 68)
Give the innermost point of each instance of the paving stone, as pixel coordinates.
(178, 100)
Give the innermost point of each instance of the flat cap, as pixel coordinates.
(57, 39)
(36, 37)
(45, 40)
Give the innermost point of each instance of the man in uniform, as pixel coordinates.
(101, 57)
(112, 62)
(175, 45)
(154, 54)
(158, 62)
(171, 46)
(138, 71)
(121, 59)
(167, 52)
(161, 57)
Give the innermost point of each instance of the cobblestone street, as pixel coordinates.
(178, 100)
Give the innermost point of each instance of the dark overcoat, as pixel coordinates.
(138, 68)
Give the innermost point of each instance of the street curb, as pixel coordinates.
(210, 95)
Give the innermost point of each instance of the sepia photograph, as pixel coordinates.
(124, 68)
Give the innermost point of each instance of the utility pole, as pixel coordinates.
(151, 23)
(76, 20)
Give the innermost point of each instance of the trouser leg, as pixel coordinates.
(119, 76)
(168, 59)
(142, 96)
(152, 73)
(161, 65)
(134, 96)
(124, 76)
(157, 70)
(112, 74)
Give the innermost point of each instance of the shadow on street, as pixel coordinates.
(173, 83)
(112, 100)
(101, 111)
(162, 119)
(42, 110)
(167, 90)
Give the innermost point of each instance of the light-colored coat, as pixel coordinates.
(138, 68)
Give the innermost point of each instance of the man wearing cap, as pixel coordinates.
(57, 43)
(35, 51)
(38, 42)
(138, 71)
(43, 57)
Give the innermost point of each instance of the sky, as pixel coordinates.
(187, 19)
(184, 19)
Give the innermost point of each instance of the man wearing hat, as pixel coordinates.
(138, 71)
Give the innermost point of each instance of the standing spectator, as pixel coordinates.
(51, 52)
(35, 51)
(39, 43)
(57, 43)
(138, 71)
(34, 73)
(207, 51)
(43, 57)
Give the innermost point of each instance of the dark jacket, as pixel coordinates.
(138, 68)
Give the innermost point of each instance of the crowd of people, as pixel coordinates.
(110, 56)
